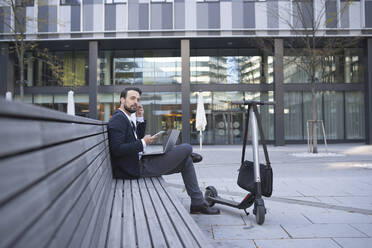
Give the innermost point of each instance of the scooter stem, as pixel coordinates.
(253, 120)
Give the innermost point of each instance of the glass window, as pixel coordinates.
(293, 115)
(105, 106)
(66, 68)
(346, 67)
(81, 104)
(105, 68)
(141, 67)
(230, 66)
(26, 98)
(81, 69)
(24, 3)
(308, 112)
(267, 115)
(353, 66)
(44, 100)
(354, 115)
(250, 69)
(334, 114)
(70, 2)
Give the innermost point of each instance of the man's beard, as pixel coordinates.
(129, 109)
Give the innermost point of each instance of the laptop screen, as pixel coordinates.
(172, 140)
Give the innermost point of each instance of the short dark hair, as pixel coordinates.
(125, 91)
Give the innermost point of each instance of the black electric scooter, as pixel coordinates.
(259, 210)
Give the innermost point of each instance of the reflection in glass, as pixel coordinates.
(228, 70)
(226, 120)
(354, 113)
(141, 67)
(105, 107)
(81, 104)
(308, 113)
(293, 116)
(66, 68)
(250, 69)
(334, 114)
(43, 100)
(343, 68)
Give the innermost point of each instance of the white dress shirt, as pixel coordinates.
(134, 119)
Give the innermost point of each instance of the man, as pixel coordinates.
(127, 141)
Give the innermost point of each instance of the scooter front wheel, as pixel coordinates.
(260, 214)
(210, 191)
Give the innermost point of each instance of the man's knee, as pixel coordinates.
(187, 148)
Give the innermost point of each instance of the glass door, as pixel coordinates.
(228, 127)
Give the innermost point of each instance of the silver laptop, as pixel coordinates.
(172, 140)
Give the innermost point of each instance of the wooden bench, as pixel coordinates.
(57, 190)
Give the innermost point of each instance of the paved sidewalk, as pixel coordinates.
(318, 201)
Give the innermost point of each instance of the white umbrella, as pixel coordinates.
(70, 103)
(201, 119)
(8, 96)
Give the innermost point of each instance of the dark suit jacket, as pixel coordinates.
(124, 147)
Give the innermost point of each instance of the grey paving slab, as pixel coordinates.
(295, 243)
(338, 217)
(365, 228)
(305, 190)
(249, 232)
(225, 219)
(354, 242)
(356, 201)
(233, 243)
(323, 231)
(329, 200)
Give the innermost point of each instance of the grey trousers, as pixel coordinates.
(177, 160)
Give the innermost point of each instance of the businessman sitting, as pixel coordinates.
(127, 141)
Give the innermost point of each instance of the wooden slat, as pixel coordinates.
(128, 226)
(16, 215)
(143, 237)
(96, 223)
(156, 233)
(102, 227)
(43, 230)
(102, 234)
(114, 235)
(14, 108)
(187, 219)
(20, 136)
(66, 229)
(19, 172)
(183, 233)
(165, 222)
(88, 214)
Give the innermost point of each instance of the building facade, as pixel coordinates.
(173, 49)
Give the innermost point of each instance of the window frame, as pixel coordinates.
(114, 2)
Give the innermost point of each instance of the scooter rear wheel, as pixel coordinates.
(210, 191)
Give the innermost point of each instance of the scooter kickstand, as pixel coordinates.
(247, 213)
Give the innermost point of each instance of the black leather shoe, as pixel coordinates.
(196, 157)
(203, 209)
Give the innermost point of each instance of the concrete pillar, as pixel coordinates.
(185, 57)
(93, 88)
(368, 92)
(4, 68)
(279, 92)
